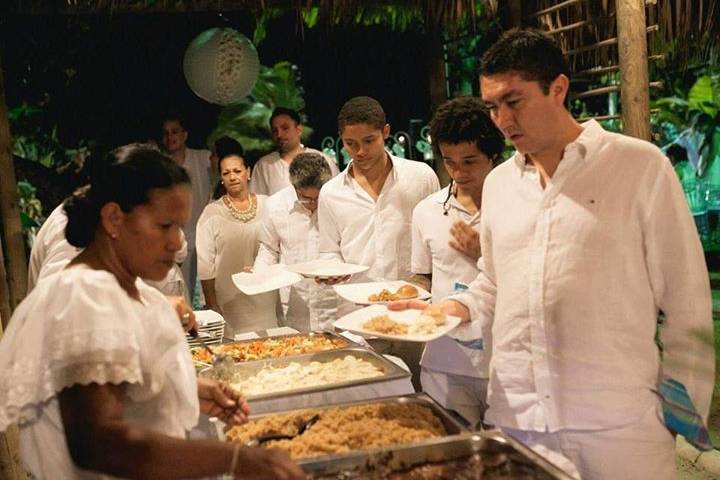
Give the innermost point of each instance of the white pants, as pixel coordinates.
(641, 450)
(465, 395)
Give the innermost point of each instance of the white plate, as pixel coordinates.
(359, 292)
(354, 322)
(208, 318)
(265, 279)
(326, 268)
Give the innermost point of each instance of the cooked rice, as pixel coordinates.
(342, 429)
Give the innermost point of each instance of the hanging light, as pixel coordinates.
(221, 66)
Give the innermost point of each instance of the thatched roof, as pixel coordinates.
(688, 30)
(435, 13)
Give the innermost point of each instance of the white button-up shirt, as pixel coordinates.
(432, 254)
(357, 229)
(289, 234)
(271, 173)
(575, 275)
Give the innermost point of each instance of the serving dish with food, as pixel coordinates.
(348, 427)
(276, 346)
(309, 373)
(380, 292)
(409, 325)
(489, 455)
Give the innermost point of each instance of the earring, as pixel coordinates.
(113, 236)
(222, 183)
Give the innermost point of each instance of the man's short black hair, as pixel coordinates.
(465, 119)
(359, 110)
(531, 53)
(286, 111)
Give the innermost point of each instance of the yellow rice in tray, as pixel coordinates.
(342, 429)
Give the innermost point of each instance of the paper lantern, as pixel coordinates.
(221, 66)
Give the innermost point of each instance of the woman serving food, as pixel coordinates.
(94, 366)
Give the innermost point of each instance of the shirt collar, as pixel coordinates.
(586, 144)
(347, 179)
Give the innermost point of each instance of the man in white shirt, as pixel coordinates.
(365, 212)
(271, 173)
(198, 165)
(446, 248)
(586, 236)
(289, 235)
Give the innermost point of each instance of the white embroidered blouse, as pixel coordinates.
(79, 326)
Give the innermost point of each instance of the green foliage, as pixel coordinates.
(31, 215)
(692, 120)
(31, 142)
(248, 121)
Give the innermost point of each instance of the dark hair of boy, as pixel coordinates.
(361, 110)
(465, 119)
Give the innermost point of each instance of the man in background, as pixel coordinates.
(272, 172)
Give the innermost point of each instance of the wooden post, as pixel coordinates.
(10, 465)
(634, 83)
(515, 10)
(14, 246)
(438, 89)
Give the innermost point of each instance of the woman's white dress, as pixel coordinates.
(225, 246)
(77, 327)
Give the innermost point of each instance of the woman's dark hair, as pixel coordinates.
(226, 147)
(127, 175)
(531, 53)
(465, 119)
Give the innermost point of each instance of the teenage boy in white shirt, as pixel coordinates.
(289, 234)
(272, 172)
(365, 212)
(586, 236)
(446, 248)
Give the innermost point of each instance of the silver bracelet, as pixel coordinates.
(235, 458)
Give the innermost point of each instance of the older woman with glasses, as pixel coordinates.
(290, 235)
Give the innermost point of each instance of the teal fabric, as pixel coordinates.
(680, 414)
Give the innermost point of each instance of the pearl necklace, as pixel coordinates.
(242, 215)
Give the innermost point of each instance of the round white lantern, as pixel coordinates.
(221, 66)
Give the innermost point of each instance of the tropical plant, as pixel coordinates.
(692, 121)
(248, 121)
(32, 142)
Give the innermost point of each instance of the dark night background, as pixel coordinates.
(111, 78)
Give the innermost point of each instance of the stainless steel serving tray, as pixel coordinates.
(322, 333)
(391, 371)
(508, 457)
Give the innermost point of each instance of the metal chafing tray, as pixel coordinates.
(452, 426)
(316, 333)
(501, 457)
(391, 371)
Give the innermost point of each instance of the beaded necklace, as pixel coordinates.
(242, 215)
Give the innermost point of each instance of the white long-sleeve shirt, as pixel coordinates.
(271, 173)
(575, 275)
(432, 254)
(289, 234)
(355, 228)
